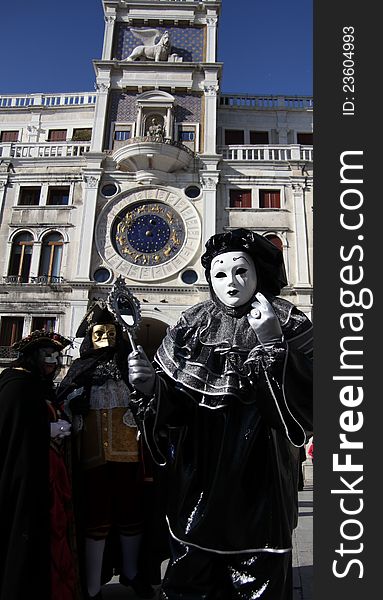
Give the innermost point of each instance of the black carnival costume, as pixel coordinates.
(24, 492)
(110, 475)
(227, 418)
(27, 523)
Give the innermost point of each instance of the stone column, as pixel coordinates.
(301, 237)
(108, 37)
(91, 181)
(211, 39)
(209, 186)
(139, 130)
(100, 116)
(210, 122)
(35, 261)
(3, 183)
(169, 123)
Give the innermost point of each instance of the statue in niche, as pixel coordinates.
(150, 50)
(155, 129)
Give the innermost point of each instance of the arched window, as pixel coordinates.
(21, 256)
(51, 256)
(274, 239)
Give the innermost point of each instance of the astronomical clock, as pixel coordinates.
(148, 235)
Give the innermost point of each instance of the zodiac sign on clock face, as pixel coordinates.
(148, 233)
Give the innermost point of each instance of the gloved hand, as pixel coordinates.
(78, 402)
(142, 375)
(60, 429)
(264, 321)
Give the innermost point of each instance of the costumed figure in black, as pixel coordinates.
(95, 394)
(37, 548)
(226, 407)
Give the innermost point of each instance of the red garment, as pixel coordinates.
(62, 566)
(310, 451)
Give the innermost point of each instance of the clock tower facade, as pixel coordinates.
(130, 179)
(153, 159)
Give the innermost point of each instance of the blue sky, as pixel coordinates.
(48, 46)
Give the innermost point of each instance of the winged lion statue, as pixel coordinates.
(150, 49)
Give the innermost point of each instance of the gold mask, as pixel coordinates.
(104, 336)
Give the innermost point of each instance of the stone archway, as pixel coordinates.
(150, 335)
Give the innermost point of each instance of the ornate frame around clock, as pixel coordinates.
(184, 208)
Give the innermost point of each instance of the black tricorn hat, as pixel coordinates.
(97, 314)
(41, 338)
(268, 259)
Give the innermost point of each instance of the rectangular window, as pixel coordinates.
(259, 137)
(240, 198)
(47, 323)
(121, 136)
(305, 139)
(269, 199)
(234, 137)
(57, 135)
(29, 196)
(58, 196)
(11, 330)
(9, 136)
(82, 135)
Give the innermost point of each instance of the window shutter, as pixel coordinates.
(57, 135)
(234, 137)
(9, 136)
(269, 199)
(240, 198)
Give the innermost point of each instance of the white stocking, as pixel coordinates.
(94, 552)
(130, 545)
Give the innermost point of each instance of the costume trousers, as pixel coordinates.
(195, 574)
(113, 495)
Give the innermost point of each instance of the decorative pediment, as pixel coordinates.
(155, 98)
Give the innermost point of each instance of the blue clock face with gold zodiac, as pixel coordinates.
(148, 233)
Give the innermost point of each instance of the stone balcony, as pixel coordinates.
(244, 101)
(278, 153)
(43, 150)
(153, 153)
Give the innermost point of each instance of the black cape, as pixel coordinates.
(24, 488)
(228, 419)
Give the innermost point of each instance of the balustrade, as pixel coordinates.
(44, 150)
(25, 100)
(266, 102)
(39, 279)
(262, 153)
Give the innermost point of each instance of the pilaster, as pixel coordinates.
(91, 182)
(3, 183)
(210, 118)
(301, 236)
(103, 85)
(35, 261)
(211, 39)
(110, 19)
(209, 181)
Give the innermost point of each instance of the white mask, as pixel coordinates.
(233, 278)
(49, 356)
